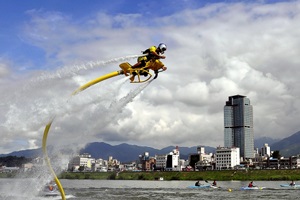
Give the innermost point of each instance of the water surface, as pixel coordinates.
(144, 190)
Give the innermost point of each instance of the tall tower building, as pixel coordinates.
(238, 125)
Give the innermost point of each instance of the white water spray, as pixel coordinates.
(73, 70)
(115, 108)
(33, 110)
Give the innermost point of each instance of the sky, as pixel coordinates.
(216, 49)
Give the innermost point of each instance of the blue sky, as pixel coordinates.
(15, 14)
(216, 49)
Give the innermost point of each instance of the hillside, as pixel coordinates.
(29, 153)
(288, 146)
(126, 152)
(122, 152)
(260, 142)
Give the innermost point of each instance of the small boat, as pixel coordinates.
(290, 186)
(215, 187)
(252, 188)
(50, 190)
(200, 186)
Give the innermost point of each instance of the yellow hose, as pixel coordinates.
(61, 189)
(47, 128)
(96, 80)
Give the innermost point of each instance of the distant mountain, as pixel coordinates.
(260, 142)
(289, 146)
(125, 152)
(29, 153)
(122, 152)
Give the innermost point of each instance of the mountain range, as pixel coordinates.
(288, 146)
(125, 152)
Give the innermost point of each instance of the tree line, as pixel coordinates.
(14, 161)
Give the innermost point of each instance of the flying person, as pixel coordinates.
(152, 54)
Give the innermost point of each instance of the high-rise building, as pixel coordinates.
(238, 125)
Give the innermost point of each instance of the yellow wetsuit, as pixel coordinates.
(149, 56)
(148, 61)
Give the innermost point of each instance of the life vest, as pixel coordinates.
(147, 51)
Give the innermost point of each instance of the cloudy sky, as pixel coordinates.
(216, 49)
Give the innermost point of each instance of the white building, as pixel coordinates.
(112, 163)
(101, 165)
(84, 160)
(201, 150)
(161, 161)
(9, 169)
(173, 163)
(266, 151)
(182, 164)
(203, 160)
(227, 158)
(295, 161)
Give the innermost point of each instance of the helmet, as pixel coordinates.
(162, 47)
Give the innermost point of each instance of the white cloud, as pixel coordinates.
(213, 52)
(4, 70)
(193, 94)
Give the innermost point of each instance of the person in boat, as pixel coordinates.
(250, 184)
(153, 53)
(292, 183)
(197, 183)
(214, 183)
(51, 185)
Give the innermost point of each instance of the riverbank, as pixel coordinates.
(224, 175)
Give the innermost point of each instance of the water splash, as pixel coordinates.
(117, 105)
(42, 97)
(35, 108)
(73, 70)
(109, 113)
(25, 188)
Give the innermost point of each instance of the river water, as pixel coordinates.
(143, 190)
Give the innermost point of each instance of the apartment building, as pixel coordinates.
(84, 160)
(227, 158)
